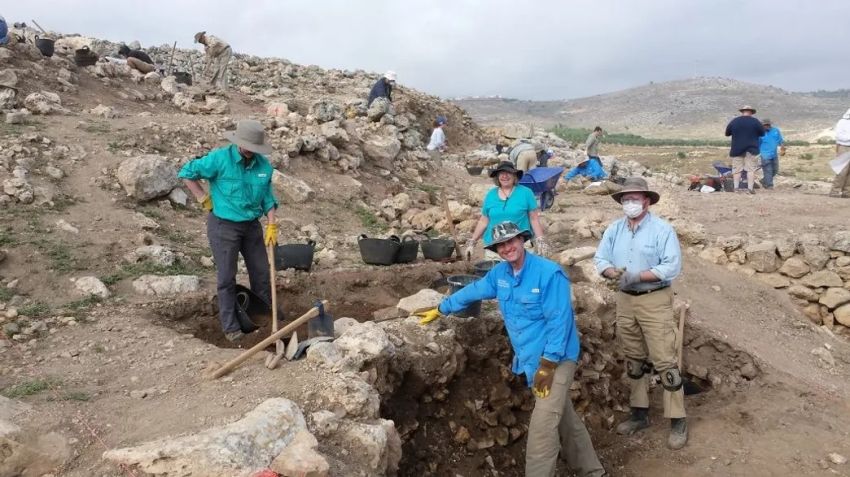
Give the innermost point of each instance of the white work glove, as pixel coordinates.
(541, 247)
(470, 249)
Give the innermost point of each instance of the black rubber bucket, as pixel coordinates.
(474, 170)
(456, 282)
(183, 77)
(45, 46)
(481, 268)
(408, 251)
(376, 251)
(438, 249)
(294, 255)
(85, 57)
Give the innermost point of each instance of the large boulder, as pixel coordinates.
(424, 299)
(816, 255)
(240, 449)
(842, 314)
(171, 285)
(794, 267)
(44, 102)
(382, 150)
(325, 111)
(729, 244)
(379, 444)
(823, 278)
(691, 233)
(378, 109)
(291, 188)
(841, 241)
(762, 257)
(835, 297)
(91, 286)
(147, 177)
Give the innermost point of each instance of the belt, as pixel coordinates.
(643, 292)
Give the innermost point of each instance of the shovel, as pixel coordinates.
(273, 360)
(689, 385)
(319, 329)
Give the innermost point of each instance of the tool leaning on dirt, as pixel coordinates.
(240, 192)
(534, 299)
(641, 253)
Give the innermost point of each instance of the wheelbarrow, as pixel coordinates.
(542, 182)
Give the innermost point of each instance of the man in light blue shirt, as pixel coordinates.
(534, 298)
(771, 146)
(642, 252)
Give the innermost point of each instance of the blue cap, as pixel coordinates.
(442, 120)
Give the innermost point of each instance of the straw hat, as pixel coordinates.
(748, 108)
(250, 135)
(636, 184)
(199, 35)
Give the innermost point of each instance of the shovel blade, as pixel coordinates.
(321, 326)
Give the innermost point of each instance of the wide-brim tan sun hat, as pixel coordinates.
(250, 135)
(636, 184)
(747, 108)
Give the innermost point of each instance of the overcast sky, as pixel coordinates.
(529, 50)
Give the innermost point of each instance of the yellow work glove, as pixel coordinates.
(206, 202)
(428, 316)
(543, 378)
(271, 235)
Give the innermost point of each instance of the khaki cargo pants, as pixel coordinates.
(218, 69)
(647, 329)
(555, 427)
(841, 184)
(140, 65)
(526, 160)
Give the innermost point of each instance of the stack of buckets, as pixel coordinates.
(456, 282)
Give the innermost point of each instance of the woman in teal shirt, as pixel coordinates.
(508, 202)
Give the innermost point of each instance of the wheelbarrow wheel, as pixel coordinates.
(546, 200)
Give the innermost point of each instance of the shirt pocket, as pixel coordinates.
(650, 255)
(257, 184)
(532, 305)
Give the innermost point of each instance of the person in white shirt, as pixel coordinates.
(841, 184)
(437, 145)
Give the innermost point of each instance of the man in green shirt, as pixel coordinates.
(591, 146)
(240, 192)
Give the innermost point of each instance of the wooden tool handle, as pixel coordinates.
(580, 258)
(683, 311)
(273, 284)
(232, 364)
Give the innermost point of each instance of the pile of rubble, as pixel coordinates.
(814, 270)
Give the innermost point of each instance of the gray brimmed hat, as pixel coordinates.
(250, 135)
(748, 108)
(767, 121)
(636, 184)
(505, 231)
(506, 166)
(199, 35)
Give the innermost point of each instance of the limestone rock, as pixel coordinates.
(239, 449)
(166, 285)
(572, 256)
(585, 271)
(691, 233)
(277, 110)
(714, 255)
(424, 299)
(475, 194)
(841, 241)
(803, 293)
(366, 340)
(44, 102)
(348, 395)
(325, 354)
(300, 458)
(786, 246)
(794, 267)
(379, 443)
(292, 188)
(842, 314)
(729, 244)
(774, 280)
(835, 297)
(325, 111)
(816, 255)
(378, 108)
(88, 286)
(823, 278)
(762, 257)
(147, 177)
(156, 254)
(103, 111)
(178, 197)
(382, 150)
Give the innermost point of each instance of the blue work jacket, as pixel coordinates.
(536, 306)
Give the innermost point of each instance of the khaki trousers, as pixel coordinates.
(140, 65)
(748, 162)
(218, 69)
(555, 427)
(647, 329)
(526, 161)
(841, 184)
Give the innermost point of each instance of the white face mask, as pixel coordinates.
(632, 208)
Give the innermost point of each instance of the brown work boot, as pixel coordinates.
(678, 433)
(638, 420)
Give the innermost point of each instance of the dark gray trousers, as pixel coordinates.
(227, 240)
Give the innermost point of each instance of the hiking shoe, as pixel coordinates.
(678, 433)
(751, 191)
(638, 420)
(234, 336)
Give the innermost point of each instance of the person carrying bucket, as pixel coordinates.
(534, 299)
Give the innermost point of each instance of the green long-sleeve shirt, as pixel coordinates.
(239, 192)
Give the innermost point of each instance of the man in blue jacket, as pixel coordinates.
(240, 192)
(587, 168)
(534, 298)
(383, 88)
(771, 146)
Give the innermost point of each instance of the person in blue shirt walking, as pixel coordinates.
(771, 146)
(587, 168)
(642, 253)
(534, 299)
(240, 192)
(383, 88)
